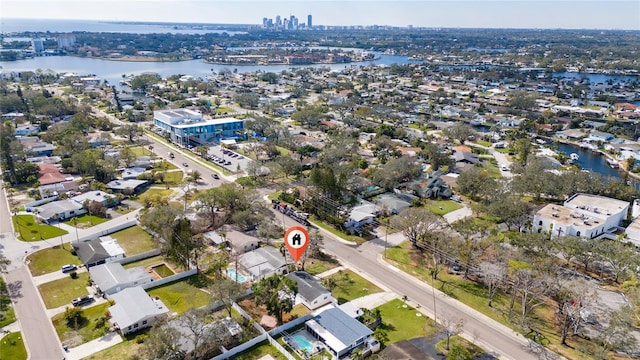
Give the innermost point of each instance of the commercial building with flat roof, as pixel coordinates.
(582, 215)
(188, 127)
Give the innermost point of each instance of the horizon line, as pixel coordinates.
(409, 26)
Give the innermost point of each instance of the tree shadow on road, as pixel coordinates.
(15, 289)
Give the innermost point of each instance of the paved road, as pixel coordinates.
(498, 339)
(37, 330)
(193, 162)
(501, 341)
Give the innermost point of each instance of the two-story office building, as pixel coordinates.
(188, 127)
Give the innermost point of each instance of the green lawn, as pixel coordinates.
(134, 240)
(223, 109)
(31, 230)
(350, 285)
(331, 229)
(400, 321)
(60, 292)
(12, 347)
(122, 351)
(315, 266)
(90, 329)
(141, 151)
(173, 177)
(442, 207)
(156, 260)
(260, 350)
(85, 221)
(7, 315)
(49, 260)
(154, 195)
(180, 296)
(283, 151)
(473, 350)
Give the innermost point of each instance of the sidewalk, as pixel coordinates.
(87, 349)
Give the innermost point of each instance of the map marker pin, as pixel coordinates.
(296, 239)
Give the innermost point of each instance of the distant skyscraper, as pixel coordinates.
(278, 21)
(66, 41)
(38, 45)
(309, 21)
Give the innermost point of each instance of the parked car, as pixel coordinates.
(68, 268)
(82, 300)
(215, 176)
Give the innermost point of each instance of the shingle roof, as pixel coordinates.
(91, 251)
(308, 286)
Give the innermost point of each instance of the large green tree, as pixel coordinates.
(277, 293)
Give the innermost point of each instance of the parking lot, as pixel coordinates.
(228, 159)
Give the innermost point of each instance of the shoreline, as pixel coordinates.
(622, 166)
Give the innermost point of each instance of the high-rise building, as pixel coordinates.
(66, 41)
(38, 45)
(278, 21)
(309, 21)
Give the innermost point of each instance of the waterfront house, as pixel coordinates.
(135, 310)
(596, 135)
(582, 215)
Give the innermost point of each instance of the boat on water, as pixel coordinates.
(613, 163)
(574, 156)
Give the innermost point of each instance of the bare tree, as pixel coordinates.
(416, 223)
(473, 243)
(450, 326)
(494, 277)
(226, 291)
(163, 342)
(314, 249)
(572, 299)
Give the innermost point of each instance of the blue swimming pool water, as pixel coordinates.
(303, 343)
(231, 273)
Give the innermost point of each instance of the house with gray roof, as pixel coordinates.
(98, 251)
(263, 262)
(58, 210)
(135, 310)
(112, 277)
(121, 185)
(338, 331)
(311, 293)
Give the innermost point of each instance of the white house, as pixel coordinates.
(338, 331)
(310, 292)
(582, 215)
(135, 310)
(111, 278)
(263, 262)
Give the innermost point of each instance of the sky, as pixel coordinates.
(566, 14)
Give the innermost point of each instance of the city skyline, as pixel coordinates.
(563, 14)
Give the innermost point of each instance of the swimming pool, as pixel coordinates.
(303, 344)
(231, 273)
